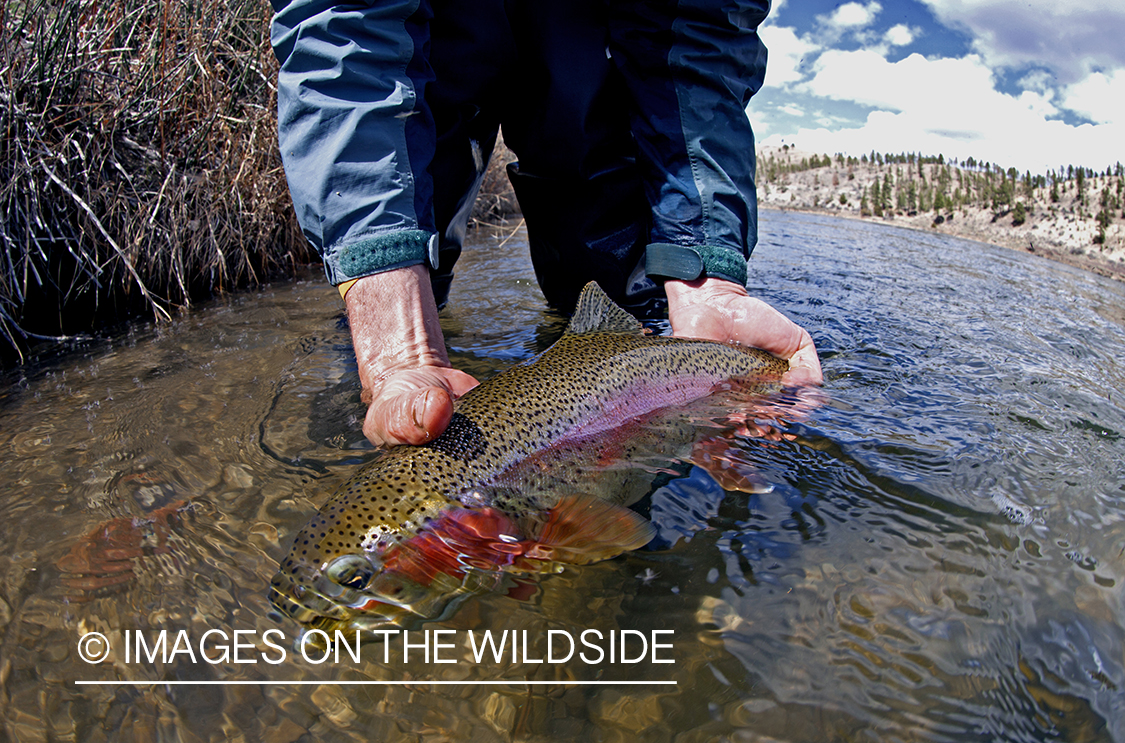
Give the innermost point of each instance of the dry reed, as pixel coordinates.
(138, 164)
(496, 201)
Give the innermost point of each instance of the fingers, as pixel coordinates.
(414, 406)
(459, 382)
(410, 417)
(774, 333)
(804, 364)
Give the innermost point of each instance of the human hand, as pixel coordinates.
(413, 406)
(408, 383)
(720, 310)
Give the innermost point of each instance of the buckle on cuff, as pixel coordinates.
(432, 252)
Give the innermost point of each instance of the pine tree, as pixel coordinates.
(1019, 214)
(1104, 218)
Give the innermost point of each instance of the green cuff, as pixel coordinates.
(668, 261)
(382, 253)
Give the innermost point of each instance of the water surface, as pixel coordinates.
(941, 556)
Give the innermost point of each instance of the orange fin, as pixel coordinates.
(719, 460)
(582, 529)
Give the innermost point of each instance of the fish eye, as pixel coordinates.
(350, 571)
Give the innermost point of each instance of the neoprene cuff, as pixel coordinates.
(668, 261)
(382, 253)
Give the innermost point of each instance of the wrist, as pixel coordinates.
(394, 324)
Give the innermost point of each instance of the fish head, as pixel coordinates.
(336, 570)
(349, 570)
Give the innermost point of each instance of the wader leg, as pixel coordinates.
(690, 68)
(576, 179)
(472, 52)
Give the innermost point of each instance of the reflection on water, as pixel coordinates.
(940, 557)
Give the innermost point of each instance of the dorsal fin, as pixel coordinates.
(596, 313)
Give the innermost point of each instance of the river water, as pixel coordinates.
(941, 556)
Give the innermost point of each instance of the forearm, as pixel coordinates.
(394, 324)
(408, 384)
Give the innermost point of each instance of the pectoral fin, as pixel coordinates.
(582, 529)
(579, 529)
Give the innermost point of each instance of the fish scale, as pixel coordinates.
(603, 372)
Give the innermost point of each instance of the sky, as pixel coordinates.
(1027, 84)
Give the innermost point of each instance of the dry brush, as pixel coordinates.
(138, 165)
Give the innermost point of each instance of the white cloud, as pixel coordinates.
(787, 52)
(1072, 38)
(1099, 97)
(890, 132)
(945, 87)
(1040, 81)
(852, 16)
(951, 106)
(823, 119)
(1064, 59)
(900, 35)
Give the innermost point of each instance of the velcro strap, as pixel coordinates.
(383, 253)
(665, 260)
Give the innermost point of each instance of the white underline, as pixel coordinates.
(510, 682)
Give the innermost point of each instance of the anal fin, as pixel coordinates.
(719, 460)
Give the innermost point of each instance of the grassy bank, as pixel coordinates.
(138, 165)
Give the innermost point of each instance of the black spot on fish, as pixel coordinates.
(462, 440)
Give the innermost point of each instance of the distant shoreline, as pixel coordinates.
(1074, 217)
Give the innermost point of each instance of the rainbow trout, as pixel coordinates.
(500, 491)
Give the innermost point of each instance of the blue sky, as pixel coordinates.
(1026, 84)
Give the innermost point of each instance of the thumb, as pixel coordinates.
(414, 417)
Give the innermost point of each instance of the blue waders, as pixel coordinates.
(636, 159)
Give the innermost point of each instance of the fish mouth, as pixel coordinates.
(389, 598)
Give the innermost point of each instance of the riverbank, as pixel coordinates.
(1054, 218)
(139, 169)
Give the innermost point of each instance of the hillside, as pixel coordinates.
(1075, 217)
